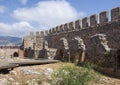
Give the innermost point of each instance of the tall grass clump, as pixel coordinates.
(73, 75)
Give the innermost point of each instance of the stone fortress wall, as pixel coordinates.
(8, 52)
(83, 40)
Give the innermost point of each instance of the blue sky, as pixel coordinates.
(19, 17)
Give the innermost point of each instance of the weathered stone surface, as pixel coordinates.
(85, 22)
(53, 30)
(93, 20)
(115, 14)
(28, 71)
(100, 42)
(3, 81)
(63, 44)
(103, 17)
(66, 26)
(97, 41)
(57, 29)
(71, 26)
(61, 28)
(77, 24)
(46, 32)
(77, 49)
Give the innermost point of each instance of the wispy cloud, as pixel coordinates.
(16, 29)
(48, 13)
(23, 1)
(2, 9)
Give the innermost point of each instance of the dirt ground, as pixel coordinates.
(19, 75)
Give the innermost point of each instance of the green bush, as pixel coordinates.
(72, 75)
(88, 65)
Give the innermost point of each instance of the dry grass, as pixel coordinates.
(21, 78)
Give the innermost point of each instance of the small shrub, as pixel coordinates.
(89, 65)
(72, 75)
(107, 54)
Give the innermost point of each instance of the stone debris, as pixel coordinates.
(11, 79)
(48, 73)
(3, 81)
(28, 71)
(13, 72)
(33, 82)
(106, 80)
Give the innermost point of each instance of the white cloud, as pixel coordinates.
(23, 1)
(16, 29)
(2, 9)
(48, 13)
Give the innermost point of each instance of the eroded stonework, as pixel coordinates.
(80, 41)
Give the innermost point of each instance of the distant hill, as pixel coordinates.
(10, 41)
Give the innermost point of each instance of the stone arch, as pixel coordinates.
(63, 43)
(15, 54)
(63, 49)
(100, 41)
(78, 49)
(100, 53)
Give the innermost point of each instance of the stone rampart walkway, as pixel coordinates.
(4, 64)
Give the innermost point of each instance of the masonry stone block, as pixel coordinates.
(53, 30)
(115, 14)
(31, 33)
(93, 20)
(78, 24)
(57, 29)
(119, 18)
(71, 26)
(85, 22)
(42, 33)
(66, 26)
(95, 45)
(46, 32)
(103, 17)
(50, 31)
(37, 33)
(61, 28)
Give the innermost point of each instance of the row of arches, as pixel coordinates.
(95, 52)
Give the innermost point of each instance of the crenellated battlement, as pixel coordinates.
(92, 21)
(87, 22)
(90, 38)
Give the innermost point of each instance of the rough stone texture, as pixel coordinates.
(50, 31)
(115, 13)
(28, 41)
(85, 22)
(61, 28)
(71, 26)
(110, 30)
(39, 41)
(49, 53)
(66, 26)
(103, 17)
(10, 51)
(33, 44)
(93, 20)
(53, 30)
(77, 24)
(97, 44)
(100, 48)
(46, 32)
(77, 48)
(100, 41)
(3, 81)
